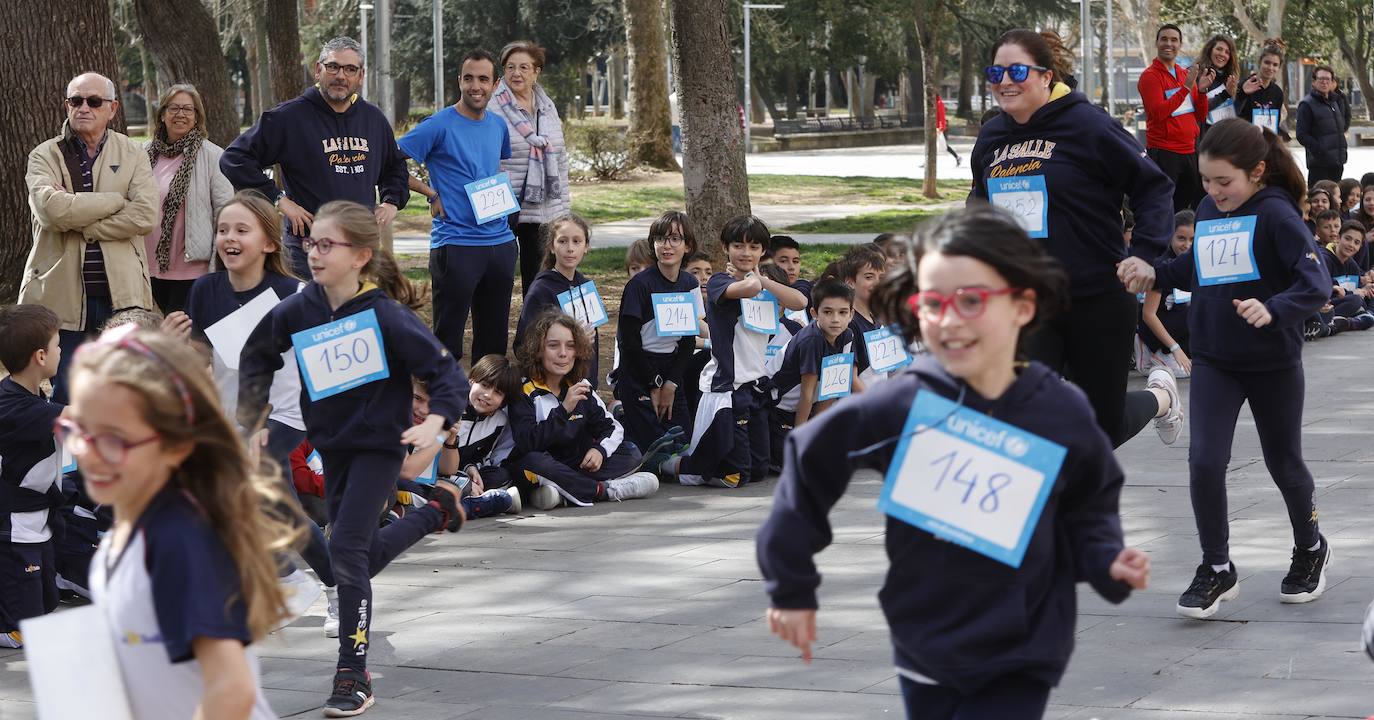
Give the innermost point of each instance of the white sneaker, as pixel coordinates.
(1169, 361)
(1141, 356)
(1171, 424)
(12, 639)
(544, 497)
(301, 592)
(636, 485)
(515, 507)
(331, 617)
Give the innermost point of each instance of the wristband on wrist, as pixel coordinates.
(1174, 347)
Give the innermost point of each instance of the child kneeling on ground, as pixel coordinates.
(569, 446)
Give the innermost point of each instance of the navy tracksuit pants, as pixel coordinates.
(281, 440)
(1012, 696)
(28, 582)
(358, 485)
(574, 482)
(733, 447)
(642, 424)
(475, 279)
(1276, 400)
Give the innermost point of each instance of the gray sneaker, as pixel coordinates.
(1171, 424)
(635, 485)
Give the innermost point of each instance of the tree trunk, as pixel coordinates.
(400, 94)
(615, 67)
(43, 45)
(765, 102)
(930, 19)
(1357, 56)
(790, 87)
(284, 49)
(185, 43)
(967, 58)
(713, 176)
(916, 99)
(651, 122)
(150, 88)
(250, 60)
(262, 72)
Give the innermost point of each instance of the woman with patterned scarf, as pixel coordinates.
(538, 163)
(186, 166)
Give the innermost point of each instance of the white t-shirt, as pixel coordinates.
(170, 585)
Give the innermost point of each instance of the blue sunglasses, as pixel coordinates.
(1018, 71)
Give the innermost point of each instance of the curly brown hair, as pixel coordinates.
(531, 352)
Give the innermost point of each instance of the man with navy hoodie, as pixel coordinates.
(331, 145)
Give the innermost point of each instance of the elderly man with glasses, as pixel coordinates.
(1323, 119)
(331, 145)
(93, 200)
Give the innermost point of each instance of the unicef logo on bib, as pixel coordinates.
(1016, 447)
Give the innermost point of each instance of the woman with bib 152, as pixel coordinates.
(1063, 168)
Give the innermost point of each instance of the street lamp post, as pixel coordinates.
(362, 24)
(438, 55)
(748, 91)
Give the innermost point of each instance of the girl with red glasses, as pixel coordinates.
(1001, 490)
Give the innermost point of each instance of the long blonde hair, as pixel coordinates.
(245, 506)
(359, 225)
(269, 219)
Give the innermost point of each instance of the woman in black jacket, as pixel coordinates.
(1260, 99)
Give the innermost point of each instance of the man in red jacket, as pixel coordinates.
(1174, 109)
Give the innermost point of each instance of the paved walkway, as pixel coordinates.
(654, 608)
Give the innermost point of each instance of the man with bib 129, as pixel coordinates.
(472, 250)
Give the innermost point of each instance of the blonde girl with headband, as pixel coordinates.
(187, 567)
(358, 342)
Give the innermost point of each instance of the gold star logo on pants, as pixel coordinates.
(359, 638)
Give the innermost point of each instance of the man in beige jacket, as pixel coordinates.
(93, 199)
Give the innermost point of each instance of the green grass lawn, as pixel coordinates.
(895, 221)
(608, 264)
(612, 201)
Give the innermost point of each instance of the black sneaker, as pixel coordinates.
(1311, 329)
(1306, 578)
(1201, 600)
(1339, 324)
(352, 694)
(445, 500)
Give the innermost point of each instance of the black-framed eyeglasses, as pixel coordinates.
(669, 240)
(1018, 72)
(348, 70)
(94, 101)
(181, 109)
(324, 244)
(111, 448)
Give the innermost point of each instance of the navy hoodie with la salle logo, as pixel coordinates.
(956, 616)
(325, 155)
(1293, 284)
(1089, 163)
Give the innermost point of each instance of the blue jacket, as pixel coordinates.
(325, 155)
(1090, 164)
(957, 616)
(367, 417)
(1293, 285)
